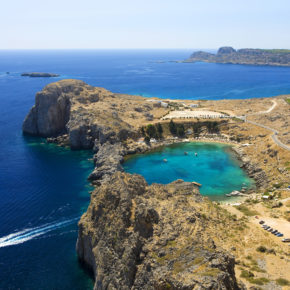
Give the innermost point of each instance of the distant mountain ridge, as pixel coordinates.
(251, 56)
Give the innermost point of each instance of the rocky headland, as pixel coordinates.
(136, 236)
(249, 56)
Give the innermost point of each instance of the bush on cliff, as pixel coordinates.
(172, 127)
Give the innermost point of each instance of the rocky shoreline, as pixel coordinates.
(134, 236)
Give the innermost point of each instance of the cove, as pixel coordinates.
(215, 167)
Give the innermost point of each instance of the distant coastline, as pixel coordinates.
(247, 56)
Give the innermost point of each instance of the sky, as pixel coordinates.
(95, 24)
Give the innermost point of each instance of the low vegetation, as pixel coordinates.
(176, 129)
(250, 277)
(246, 211)
(152, 131)
(282, 282)
(277, 50)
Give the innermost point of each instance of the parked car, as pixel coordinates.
(261, 222)
(286, 240)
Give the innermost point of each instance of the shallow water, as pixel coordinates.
(215, 167)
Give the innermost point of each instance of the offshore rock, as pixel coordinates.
(39, 75)
(130, 238)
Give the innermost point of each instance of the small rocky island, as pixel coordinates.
(139, 236)
(249, 56)
(39, 75)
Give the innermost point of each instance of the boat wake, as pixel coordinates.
(31, 233)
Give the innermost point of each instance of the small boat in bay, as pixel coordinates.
(234, 193)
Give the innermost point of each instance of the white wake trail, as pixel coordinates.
(31, 233)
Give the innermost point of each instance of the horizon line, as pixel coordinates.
(139, 48)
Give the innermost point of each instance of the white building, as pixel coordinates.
(193, 105)
(164, 104)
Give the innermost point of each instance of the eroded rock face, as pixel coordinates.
(51, 112)
(68, 108)
(135, 236)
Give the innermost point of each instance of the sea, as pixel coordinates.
(44, 188)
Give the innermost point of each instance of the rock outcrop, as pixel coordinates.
(253, 170)
(135, 236)
(39, 75)
(275, 57)
(65, 108)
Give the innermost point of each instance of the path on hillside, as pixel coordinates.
(265, 112)
(275, 132)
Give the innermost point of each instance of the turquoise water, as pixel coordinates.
(215, 167)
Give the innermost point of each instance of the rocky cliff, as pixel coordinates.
(73, 110)
(276, 57)
(135, 236)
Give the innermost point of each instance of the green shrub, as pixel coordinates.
(262, 249)
(151, 131)
(180, 130)
(258, 281)
(147, 139)
(282, 282)
(246, 274)
(172, 127)
(159, 130)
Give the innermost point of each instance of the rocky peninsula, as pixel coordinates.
(248, 56)
(136, 236)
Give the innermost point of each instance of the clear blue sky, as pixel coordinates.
(144, 23)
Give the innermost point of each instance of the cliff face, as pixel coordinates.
(51, 111)
(63, 109)
(135, 236)
(276, 57)
(72, 113)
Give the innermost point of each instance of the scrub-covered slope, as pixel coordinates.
(135, 236)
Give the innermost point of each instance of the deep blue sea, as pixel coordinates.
(43, 188)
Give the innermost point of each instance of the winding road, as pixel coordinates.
(275, 132)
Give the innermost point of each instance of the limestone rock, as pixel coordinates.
(63, 108)
(131, 240)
